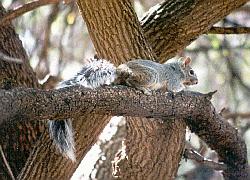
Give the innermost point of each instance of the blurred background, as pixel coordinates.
(57, 42)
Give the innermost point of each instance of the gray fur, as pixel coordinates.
(61, 132)
(178, 75)
(93, 75)
(174, 75)
(145, 75)
(148, 75)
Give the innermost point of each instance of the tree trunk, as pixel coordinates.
(118, 37)
(103, 166)
(145, 139)
(160, 36)
(17, 139)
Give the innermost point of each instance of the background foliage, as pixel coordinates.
(53, 37)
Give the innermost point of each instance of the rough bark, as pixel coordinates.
(172, 19)
(17, 139)
(194, 108)
(174, 24)
(114, 31)
(103, 166)
(22, 104)
(144, 138)
(83, 144)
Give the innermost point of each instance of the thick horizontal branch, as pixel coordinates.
(229, 30)
(33, 104)
(195, 108)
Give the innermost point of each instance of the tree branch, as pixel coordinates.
(193, 107)
(33, 104)
(160, 36)
(23, 9)
(9, 59)
(170, 27)
(227, 114)
(194, 155)
(229, 30)
(6, 163)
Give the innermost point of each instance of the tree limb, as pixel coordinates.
(25, 8)
(33, 104)
(227, 114)
(6, 163)
(160, 34)
(172, 25)
(194, 155)
(194, 107)
(229, 30)
(9, 59)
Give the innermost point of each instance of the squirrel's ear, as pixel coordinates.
(186, 61)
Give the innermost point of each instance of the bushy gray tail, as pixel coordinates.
(94, 74)
(61, 132)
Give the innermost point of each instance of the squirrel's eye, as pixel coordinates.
(191, 72)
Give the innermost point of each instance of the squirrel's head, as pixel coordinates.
(190, 76)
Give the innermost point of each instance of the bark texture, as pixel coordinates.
(121, 45)
(22, 104)
(103, 166)
(144, 138)
(195, 108)
(114, 30)
(172, 25)
(17, 139)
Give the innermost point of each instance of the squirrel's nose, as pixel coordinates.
(195, 81)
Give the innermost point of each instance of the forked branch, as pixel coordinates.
(193, 107)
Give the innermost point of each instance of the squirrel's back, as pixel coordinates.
(145, 75)
(148, 75)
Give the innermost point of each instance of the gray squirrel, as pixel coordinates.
(145, 75)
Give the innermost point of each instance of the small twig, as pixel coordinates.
(42, 68)
(227, 114)
(10, 59)
(12, 14)
(192, 154)
(237, 114)
(229, 30)
(6, 164)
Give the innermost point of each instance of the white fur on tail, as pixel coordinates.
(94, 74)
